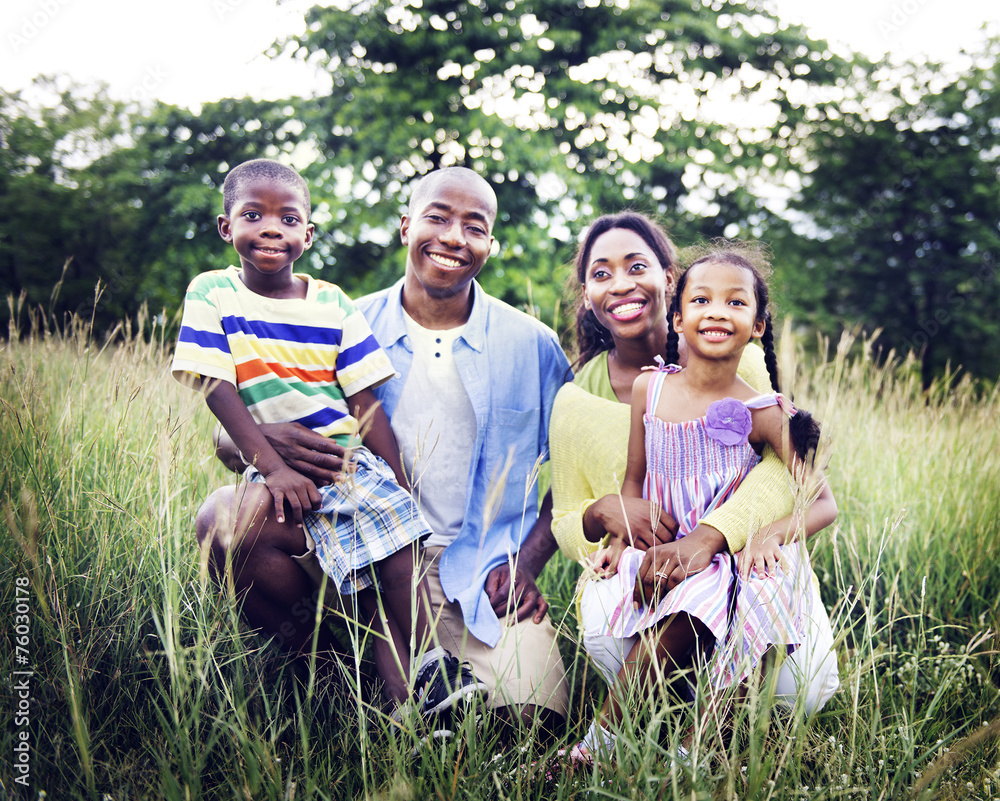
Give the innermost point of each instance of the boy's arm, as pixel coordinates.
(376, 432)
(283, 482)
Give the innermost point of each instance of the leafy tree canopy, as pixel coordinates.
(568, 108)
(903, 208)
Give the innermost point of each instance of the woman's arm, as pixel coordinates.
(764, 496)
(588, 438)
(770, 426)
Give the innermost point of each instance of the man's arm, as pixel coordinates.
(514, 583)
(313, 455)
(377, 433)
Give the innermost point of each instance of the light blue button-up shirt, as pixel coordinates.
(511, 366)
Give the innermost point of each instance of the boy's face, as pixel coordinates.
(269, 227)
(449, 236)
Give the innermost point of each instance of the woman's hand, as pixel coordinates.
(666, 566)
(633, 521)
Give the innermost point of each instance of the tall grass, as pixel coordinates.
(145, 685)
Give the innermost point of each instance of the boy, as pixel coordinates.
(269, 346)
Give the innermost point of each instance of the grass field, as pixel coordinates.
(128, 676)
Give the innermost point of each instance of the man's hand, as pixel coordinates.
(630, 520)
(514, 590)
(666, 566)
(312, 455)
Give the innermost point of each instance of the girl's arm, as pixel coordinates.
(606, 560)
(763, 551)
(635, 467)
(285, 484)
(376, 432)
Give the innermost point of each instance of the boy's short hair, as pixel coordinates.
(266, 169)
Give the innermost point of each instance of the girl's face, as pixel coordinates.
(718, 309)
(625, 285)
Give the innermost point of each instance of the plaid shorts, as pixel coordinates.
(363, 518)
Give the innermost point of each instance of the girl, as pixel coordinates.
(695, 434)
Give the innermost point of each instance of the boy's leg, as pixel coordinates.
(407, 600)
(237, 530)
(390, 645)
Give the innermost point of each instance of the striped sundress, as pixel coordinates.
(691, 473)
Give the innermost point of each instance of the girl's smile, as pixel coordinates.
(718, 307)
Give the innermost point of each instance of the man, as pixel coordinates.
(470, 410)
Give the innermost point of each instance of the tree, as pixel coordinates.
(907, 216)
(569, 108)
(49, 215)
(130, 199)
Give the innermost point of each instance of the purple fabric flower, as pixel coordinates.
(728, 422)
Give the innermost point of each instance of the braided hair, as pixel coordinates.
(803, 429)
(593, 338)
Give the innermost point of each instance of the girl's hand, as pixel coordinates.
(764, 556)
(288, 486)
(605, 560)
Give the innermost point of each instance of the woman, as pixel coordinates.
(626, 270)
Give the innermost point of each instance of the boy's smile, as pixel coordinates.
(269, 228)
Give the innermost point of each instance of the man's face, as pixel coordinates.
(449, 236)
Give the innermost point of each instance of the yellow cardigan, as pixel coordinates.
(588, 444)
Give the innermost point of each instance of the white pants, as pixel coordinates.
(808, 677)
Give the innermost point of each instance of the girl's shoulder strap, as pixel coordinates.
(771, 399)
(661, 371)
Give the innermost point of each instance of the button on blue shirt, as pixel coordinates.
(511, 366)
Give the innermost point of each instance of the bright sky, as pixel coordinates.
(190, 51)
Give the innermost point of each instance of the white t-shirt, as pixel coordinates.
(435, 426)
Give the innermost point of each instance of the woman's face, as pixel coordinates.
(626, 286)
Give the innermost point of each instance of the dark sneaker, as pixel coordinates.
(443, 682)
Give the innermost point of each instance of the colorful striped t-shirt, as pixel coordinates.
(292, 359)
